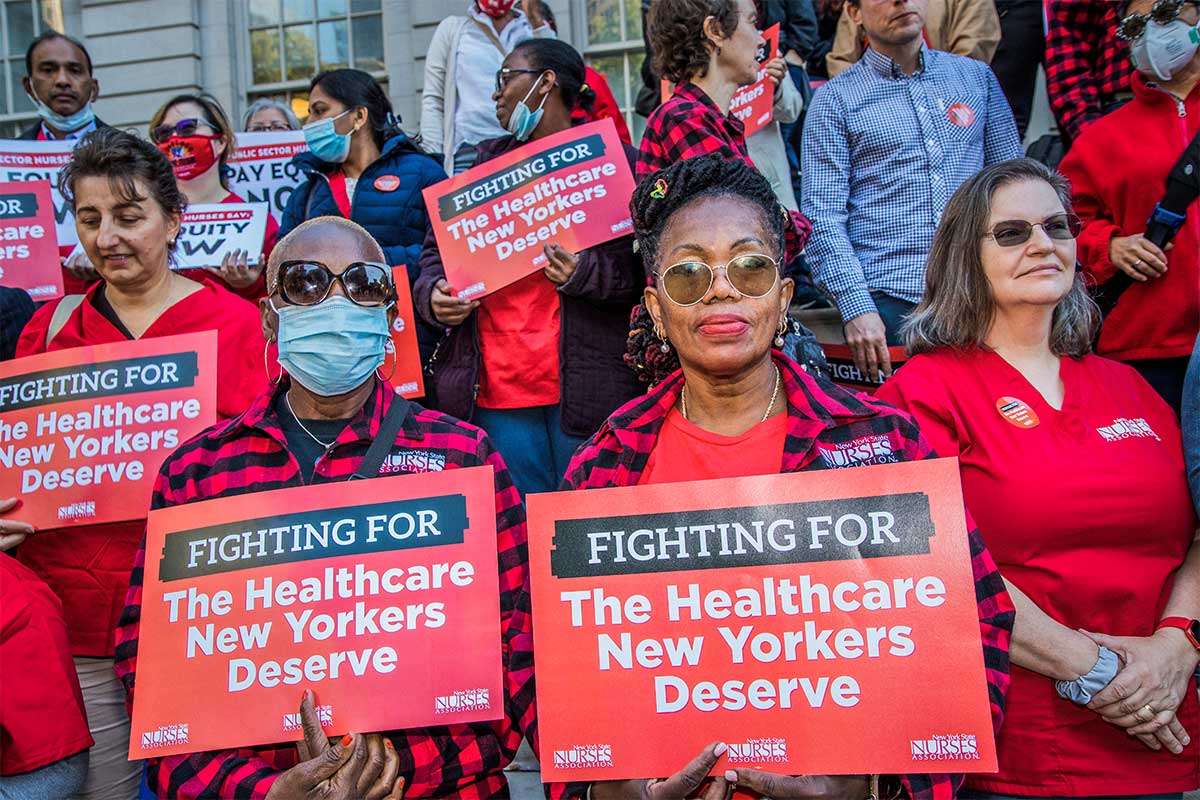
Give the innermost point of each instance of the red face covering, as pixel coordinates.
(190, 156)
(495, 8)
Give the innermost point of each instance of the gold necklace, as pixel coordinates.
(767, 413)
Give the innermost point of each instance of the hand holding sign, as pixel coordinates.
(561, 263)
(776, 68)
(79, 266)
(12, 532)
(378, 780)
(679, 786)
(235, 270)
(800, 787)
(449, 308)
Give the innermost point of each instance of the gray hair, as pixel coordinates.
(264, 103)
(958, 307)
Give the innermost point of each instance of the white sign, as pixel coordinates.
(24, 160)
(262, 169)
(209, 231)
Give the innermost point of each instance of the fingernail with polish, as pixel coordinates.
(388, 744)
(347, 739)
(731, 776)
(720, 749)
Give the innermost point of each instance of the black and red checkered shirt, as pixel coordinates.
(689, 124)
(250, 454)
(1086, 64)
(820, 417)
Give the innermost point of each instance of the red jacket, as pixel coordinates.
(88, 566)
(1118, 169)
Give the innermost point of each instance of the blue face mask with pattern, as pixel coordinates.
(332, 347)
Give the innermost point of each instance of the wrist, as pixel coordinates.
(1179, 644)
(1081, 690)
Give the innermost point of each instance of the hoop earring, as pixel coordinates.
(395, 359)
(780, 332)
(267, 365)
(665, 347)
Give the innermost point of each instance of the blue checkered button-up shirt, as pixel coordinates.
(883, 151)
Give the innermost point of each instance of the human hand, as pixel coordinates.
(800, 787)
(448, 309)
(561, 263)
(867, 338)
(776, 68)
(12, 532)
(79, 267)
(1138, 257)
(533, 12)
(1146, 692)
(679, 786)
(236, 272)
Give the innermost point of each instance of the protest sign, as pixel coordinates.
(388, 610)
(777, 614)
(261, 169)
(83, 431)
(23, 160)
(28, 246)
(491, 222)
(752, 105)
(406, 375)
(211, 230)
(846, 373)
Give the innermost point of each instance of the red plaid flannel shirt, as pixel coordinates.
(249, 454)
(689, 124)
(817, 413)
(1086, 64)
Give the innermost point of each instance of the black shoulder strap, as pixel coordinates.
(384, 439)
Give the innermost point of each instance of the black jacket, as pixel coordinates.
(797, 24)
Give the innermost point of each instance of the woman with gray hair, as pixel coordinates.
(268, 114)
(1072, 467)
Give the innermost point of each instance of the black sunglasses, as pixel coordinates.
(305, 283)
(1013, 232)
(1162, 12)
(502, 75)
(183, 129)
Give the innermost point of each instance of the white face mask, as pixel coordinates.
(1163, 50)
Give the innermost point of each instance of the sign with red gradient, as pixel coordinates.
(777, 614)
(571, 188)
(83, 431)
(387, 609)
(406, 377)
(28, 245)
(25, 160)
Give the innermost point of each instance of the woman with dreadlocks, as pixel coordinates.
(712, 236)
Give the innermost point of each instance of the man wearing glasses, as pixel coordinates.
(59, 81)
(1118, 169)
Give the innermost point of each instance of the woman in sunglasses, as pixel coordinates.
(1073, 469)
(195, 135)
(127, 209)
(330, 306)
(538, 363)
(712, 235)
(1117, 169)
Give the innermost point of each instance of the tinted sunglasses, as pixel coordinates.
(753, 275)
(306, 283)
(1162, 12)
(1013, 232)
(183, 129)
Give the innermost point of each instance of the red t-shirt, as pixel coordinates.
(1086, 509)
(687, 452)
(41, 707)
(518, 343)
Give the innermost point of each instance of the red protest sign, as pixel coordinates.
(406, 375)
(28, 245)
(753, 104)
(491, 222)
(83, 431)
(776, 614)
(388, 610)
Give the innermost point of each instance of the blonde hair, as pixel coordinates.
(958, 307)
(214, 116)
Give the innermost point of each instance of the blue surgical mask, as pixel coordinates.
(81, 118)
(334, 346)
(326, 143)
(522, 122)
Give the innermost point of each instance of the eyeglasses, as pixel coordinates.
(264, 127)
(183, 129)
(1013, 232)
(753, 275)
(1162, 12)
(306, 283)
(503, 75)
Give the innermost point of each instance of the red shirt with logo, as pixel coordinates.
(1087, 510)
(686, 452)
(518, 345)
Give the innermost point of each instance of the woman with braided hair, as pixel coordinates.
(712, 236)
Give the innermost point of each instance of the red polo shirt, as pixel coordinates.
(1087, 510)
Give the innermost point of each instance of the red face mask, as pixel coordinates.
(495, 8)
(190, 156)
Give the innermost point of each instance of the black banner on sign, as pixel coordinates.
(751, 536)
(572, 154)
(90, 381)
(311, 535)
(21, 204)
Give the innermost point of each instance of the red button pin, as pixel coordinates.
(1017, 412)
